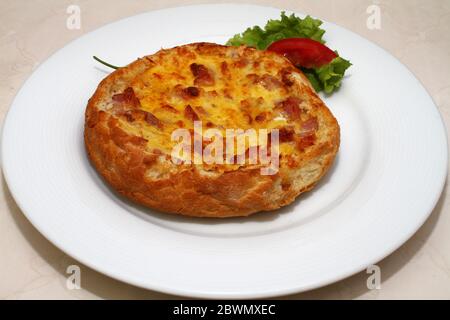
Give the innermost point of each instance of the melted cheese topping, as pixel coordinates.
(226, 90)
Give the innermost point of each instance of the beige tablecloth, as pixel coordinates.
(416, 32)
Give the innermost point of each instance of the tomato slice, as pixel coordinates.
(303, 52)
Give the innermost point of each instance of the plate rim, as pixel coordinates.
(196, 293)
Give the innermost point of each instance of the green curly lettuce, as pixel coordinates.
(287, 27)
(327, 78)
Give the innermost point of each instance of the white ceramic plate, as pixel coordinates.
(387, 178)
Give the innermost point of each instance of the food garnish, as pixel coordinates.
(105, 63)
(304, 46)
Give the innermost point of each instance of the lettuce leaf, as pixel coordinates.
(286, 27)
(327, 78)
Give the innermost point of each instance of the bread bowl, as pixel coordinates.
(130, 119)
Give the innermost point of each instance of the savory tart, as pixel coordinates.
(131, 118)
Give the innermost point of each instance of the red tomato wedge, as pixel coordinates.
(303, 52)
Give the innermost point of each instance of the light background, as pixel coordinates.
(416, 32)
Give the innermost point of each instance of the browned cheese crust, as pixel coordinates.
(134, 109)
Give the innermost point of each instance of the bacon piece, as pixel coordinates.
(202, 75)
(308, 133)
(227, 94)
(242, 62)
(190, 114)
(195, 69)
(285, 135)
(309, 127)
(127, 97)
(224, 68)
(137, 114)
(192, 91)
(270, 82)
(267, 81)
(152, 120)
(169, 108)
(291, 107)
(133, 115)
(260, 117)
(186, 93)
(201, 110)
(285, 186)
(253, 77)
(306, 141)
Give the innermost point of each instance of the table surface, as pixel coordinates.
(415, 31)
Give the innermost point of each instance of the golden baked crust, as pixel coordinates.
(133, 111)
